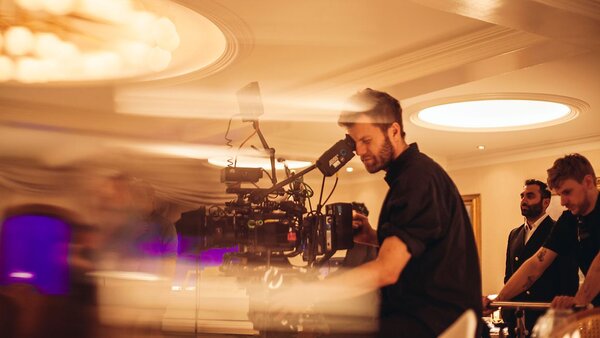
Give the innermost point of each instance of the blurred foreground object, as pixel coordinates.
(549, 322)
(131, 298)
(584, 324)
(41, 289)
(464, 326)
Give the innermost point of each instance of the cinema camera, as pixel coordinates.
(274, 221)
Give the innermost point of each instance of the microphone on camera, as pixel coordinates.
(337, 156)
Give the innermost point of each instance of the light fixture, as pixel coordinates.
(82, 40)
(349, 169)
(496, 112)
(255, 162)
(481, 147)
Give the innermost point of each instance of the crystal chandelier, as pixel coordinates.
(82, 40)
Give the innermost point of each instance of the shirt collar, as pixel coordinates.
(396, 166)
(536, 223)
(595, 212)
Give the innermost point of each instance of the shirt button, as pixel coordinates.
(528, 292)
(516, 259)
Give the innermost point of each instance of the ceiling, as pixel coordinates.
(307, 59)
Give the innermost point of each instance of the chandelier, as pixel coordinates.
(82, 40)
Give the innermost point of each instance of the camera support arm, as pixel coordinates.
(258, 195)
(329, 163)
(270, 150)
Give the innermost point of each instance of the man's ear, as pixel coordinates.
(589, 181)
(394, 131)
(546, 202)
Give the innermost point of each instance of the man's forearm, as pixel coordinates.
(354, 282)
(526, 275)
(384, 270)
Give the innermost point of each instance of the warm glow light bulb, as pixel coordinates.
(58, 7)
(159, 59)
(101, 64)
(67, 51)
(7, 68)
(30, 5)
(52, 70)
(135, 53)
(48, 70)
(107, 10)
(69, 60)
(142, 25)
(71, 70)
(47, 45)
(30, 70)
(119, 39)
(165, 34)
(19, 40)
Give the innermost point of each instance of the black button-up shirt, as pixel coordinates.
(425, 210)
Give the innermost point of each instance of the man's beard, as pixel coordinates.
(383, 158)
(533, 211)
(585, 205)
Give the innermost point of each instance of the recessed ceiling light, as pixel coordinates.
(481, 147)
(349, 169)
(496, 112)
(255, 162)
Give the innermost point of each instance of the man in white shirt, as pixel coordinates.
(560, 279)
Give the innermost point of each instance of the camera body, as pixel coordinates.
(279, 228)
(256, 229)
(273, 222)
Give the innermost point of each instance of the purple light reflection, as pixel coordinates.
(214, 256)
(34, 250)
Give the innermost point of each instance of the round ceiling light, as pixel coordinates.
(496, 112)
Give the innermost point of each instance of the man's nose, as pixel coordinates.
(563, 201)
(360, 149)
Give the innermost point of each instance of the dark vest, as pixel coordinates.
(561, 277)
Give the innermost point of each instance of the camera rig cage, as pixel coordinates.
(274, 222)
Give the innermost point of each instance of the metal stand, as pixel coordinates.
(520, 329)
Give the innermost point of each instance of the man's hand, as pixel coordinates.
(485, 305)
(568, 302)
(364, 232)
(563, 302)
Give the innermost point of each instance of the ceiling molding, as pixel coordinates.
(409, 65)
(589, 8)
(558, 148)
(555, 19)
(449, 54)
